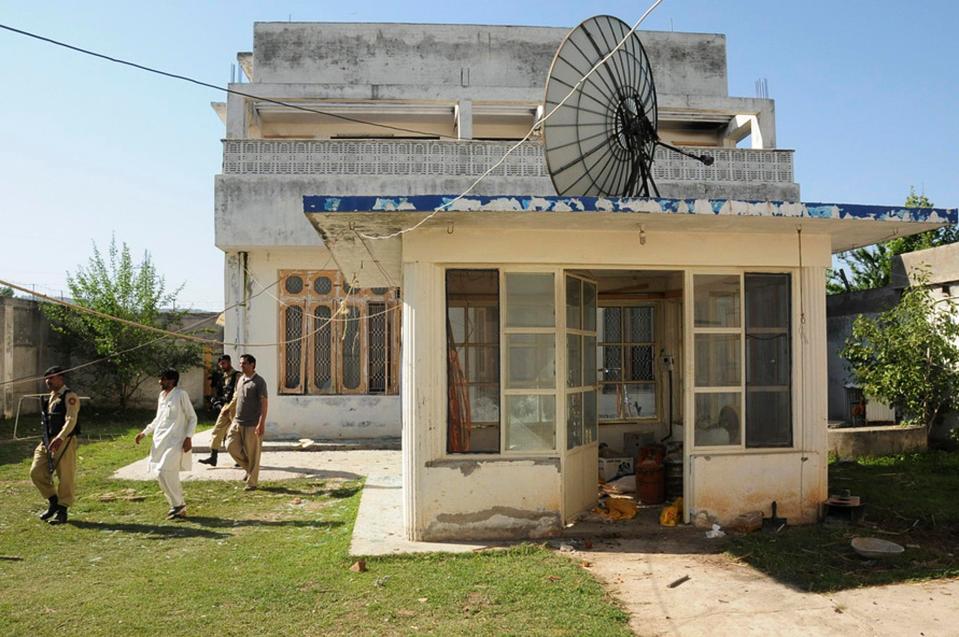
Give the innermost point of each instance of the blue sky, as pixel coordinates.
(865, 93)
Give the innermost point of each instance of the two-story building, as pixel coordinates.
(507, 333)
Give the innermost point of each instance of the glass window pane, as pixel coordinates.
(716, 300)
(322, 349)
(640, 324)
(640, 359)
(768, 419)
(482, 364)
(456, 322)
(767, 300)
(612, 356)
(484, 403)
(352, 361)
(589, 365)
(590, 422)
(530, 300)
(717, 360)
(589, 306)
(717, 419)
(473, 390)
(574, 303)
(574, 420)
(531, 423)
(767, 359)
(611, 324)
(292, 335)
(574, 360)
(483, 325)
(531, 361)
(376, 347)
(620, 402)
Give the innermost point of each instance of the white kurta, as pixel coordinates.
(175, 421)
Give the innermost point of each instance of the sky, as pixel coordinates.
(865, 94)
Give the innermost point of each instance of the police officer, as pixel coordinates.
(225, 404)
(58, 451)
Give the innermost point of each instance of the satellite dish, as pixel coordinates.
(602, 139)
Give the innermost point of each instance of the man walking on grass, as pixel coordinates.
(225, 402)
(245, 439)
(172, 431)
(58, 451)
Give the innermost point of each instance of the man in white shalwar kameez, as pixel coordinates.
(172, 431)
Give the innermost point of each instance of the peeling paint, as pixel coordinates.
(468, 466)
(496, 523)
(719, 207)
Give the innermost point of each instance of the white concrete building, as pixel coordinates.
(510, 335)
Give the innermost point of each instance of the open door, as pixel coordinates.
(580, 455)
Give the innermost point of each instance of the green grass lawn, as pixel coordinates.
(912, 500)
(272, 562)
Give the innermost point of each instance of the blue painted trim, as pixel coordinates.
(526, 203)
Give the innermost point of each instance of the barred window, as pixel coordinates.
(335, 338)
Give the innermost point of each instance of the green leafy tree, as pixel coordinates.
(871, 267)
(908, 355)
(5, 292)
(115, 285)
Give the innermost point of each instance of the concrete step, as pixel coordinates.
(201, 444)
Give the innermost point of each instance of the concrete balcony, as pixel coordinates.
(368, 166)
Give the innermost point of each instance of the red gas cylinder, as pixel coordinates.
(650, 482)
(656, 453)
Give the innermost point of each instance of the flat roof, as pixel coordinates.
(849, 225)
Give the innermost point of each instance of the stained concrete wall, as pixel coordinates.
(458, 56)
(849, 443)
(29, 346)
(254, 329)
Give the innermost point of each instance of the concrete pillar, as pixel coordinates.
(813, 385)
(6, 360)
(420, 382)
(235, 288)
(236, 116)
(464, 119)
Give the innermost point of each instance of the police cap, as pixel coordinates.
(56, 370)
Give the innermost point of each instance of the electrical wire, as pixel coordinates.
(228, 90)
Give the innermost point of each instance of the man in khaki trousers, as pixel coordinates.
(249, 424)
(57, 454)
(226, 398)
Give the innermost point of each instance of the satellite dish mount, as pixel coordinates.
(602, 138)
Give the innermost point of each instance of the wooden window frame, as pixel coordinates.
(309, 300)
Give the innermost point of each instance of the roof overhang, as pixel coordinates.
(848, 225)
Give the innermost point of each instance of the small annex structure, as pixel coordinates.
(507, 333)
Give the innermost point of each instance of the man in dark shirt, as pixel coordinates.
(224, 401)
(249, 424)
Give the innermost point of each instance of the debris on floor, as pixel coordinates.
(681, 580)
(715, 532)
(747, 522)
(614, 509)
(359, 566)
(671, 513)
(619, 486)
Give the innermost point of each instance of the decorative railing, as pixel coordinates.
(473, 158)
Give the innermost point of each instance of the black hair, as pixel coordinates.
(225, 357)
(249, 358)
(170, 374)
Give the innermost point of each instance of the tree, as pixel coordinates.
(908, 355)
(135, 292)
(5, 292)
(871, 267)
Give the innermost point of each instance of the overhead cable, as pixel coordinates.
(233, 91)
